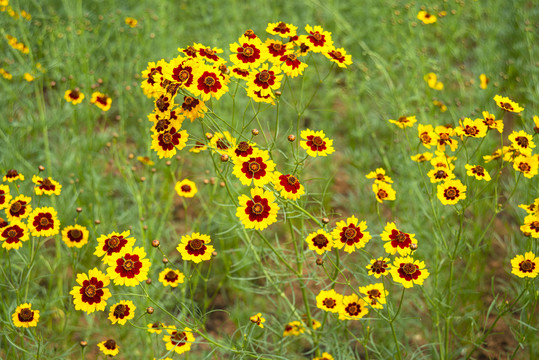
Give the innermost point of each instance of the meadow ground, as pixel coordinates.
(358, 248)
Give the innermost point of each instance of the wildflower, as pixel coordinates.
(258, 211)
(109, 347)
(181, 71)
(129, 268)
(193, 108)
(275, 50)
(531, 225)
(145, 160)
(325, 356)
(291, 65)
(425, 17)
(441, 105)
(444, 138)
(12, 175)
(223, 143)
(121, 312)
(43, 221)
(265, 79)
(491, 122)
(6, 74)
(75, 236)
(526, 265)
(24, 316)
(46, 186)
(28, 77)
(172, 278)
(258, 320)
(316, 143)
(451, 191)
(74, 96)
(379, 176)
(167, 142)
(407, 271)
(282, 29)
(293, 328)
(102, 101)
(152, 78)
(92, 295)
(255, 170)
(426, 156)
(209, 83)
(288, 185)
(528, 165)
(19, 208)
(427, 135)
(339, 56)
(13, 235)
(522, 142)
(378, 267)
(131, 22)
(112, 244)
(471, 128)
(186, 188)
(440, 174)
(5, 197)
(195, 247)
(179, 341)
(404, 121)
(532, 208)
(350, 235)
(483, 81)
(244, 149)
(248, 52)
(329, 300)
(155, 328)
(383, 192)
(508, 105)
(353, 308)
(477, 171)
(397, 240)
(432, 81)
(320, 241)
(320, 40)
(376, 293)
(207, 53)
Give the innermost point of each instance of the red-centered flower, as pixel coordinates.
(257, 168)
(407, 271)
(247, 52)
(258, 211)
(209, 84)
(19, 208)
(378, 267)
(282, 29)
(189, 51)
(92, 295)
(181, 71)
(339, 56)
(319, 39)
(167, 142)
(350, 235)
(43, 221)
(193, 108)
(244, 149)
(397, 240)
(129, 268)
(316, 143)
(288, 185)
(265, 79)
(46, 186)
(195, 247)
(276, 49)
(112, 244)
(208, 53)
(13, 234)
(291, 65)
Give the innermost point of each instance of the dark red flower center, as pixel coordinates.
(506, 106)
(382, 194)
(178, 338)
(243, 146)
(292, 180)
(248, 51)
(258, 208)
(527, 266)
(167, 138)
(318, 141)
(374, 293)
(292, 57)
(16, 207)
(209, 81)
(44, 221)
(75, 234)
(320, 240)
(524, 167)
(451, 193)
(196, 244)
(221, 144)
(26, 315)
(11, 233)
(264, 76)
(11, 173)
(74, 94)
(378, 266)
(329, 303)
(110, 344)
(90, 291)
(471, 130)
(353, 309)
(254, 166)
(409, 268)
(522, 141)
(171, 276)
(114, 241)
(128, 265)
(478, 170)
(186, 188)
(120, 311)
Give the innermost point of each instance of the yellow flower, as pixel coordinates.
(427, 135)
(383, 192)
(177, 340)
(379, 176)
(282, 29)
(407, 271)
(28, 77)
(209, 82)
(145, 160)
(440, 174)
(113, 243)
(478, 172)
(258, 211)
(19, 208)
(14, 234)
(194, 247)
(75, 236)
(353, 308)
(167, 142)
(316, 143)
(12, 175)
(129, 268)
(404, 121)
(397, 240)
(319, 241)
(378, 267)
(193, 108)
(528, 165)
(432, 81)
(491, 122)
(376, 294)
(425, 17)
(339, 56)
(74, 96)
(325, 356)
(329, 300)
(256, 169)
(46, 186)
(109, 347)
(522, 142)
(101, 100)
(186, 188)
(294, 328)
(531, 225)
(350, 235)
(507, 104)
(288, 185)
(451, 192)
(170, 277)
(441, 105)
(43, 221)
(223, 143)
(291, 65)
(483, 81)
(471, 128)
(24, 316)
(92, 295)
(258, 320)
(444, 138)
(525, 266)
(121, 312)
(156, 327)
(131, 22)
(5, 197)
(426, 156)
(319, 40)
(264, 79)
(248, 53)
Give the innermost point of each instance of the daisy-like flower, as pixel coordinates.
(193, 108)
(92, 294)
(316, 143)
(244, 149)
(397, 240)
(319, 241)
(248, 52)
(12, 175)
(195, 247)
(75, 236)
(129, 268)
(165, 121)
(353, 308)
(427, 135)
(350, 235)
(43, 221)
(329, 300)
(209, 83)
(426, 156)
(490, 121)
(376, 293)
(121, 312)
(451, 192)
(256, 169)
(25, 317)
(152, 78)
(181, 71)
(404, 121)
(527, 165)
(208, 53)
(170, 277)
(258, 211)
(112, 244)
(223, 143)
(156, 327)
(471, 128)
(46, 186)
(407, 271)
(441, 105)
(383, 192)
(5, 197)
(339, 56)
(477, 171)
(425, 17)
(507, 104)
(167, 142)
(443, 161)
(379, 267)
(275, 50)
(483, 81)
(288, 185)
(379, 176)
(432, 81)
(319, 40)
(440, 174)
(282, 29)
(131, 22)
(291, 65)
(532, 208)
(522, 142)
(73, 96)
(189, 51)
(325, 356)
(177, 340)
(258, 320)
(109, 347)
(19, 208)
(444, 138)
(531, 225)
(526, 265)
(13, 235)
(186, 188)
(265, 79)
(101, 100)
(293, 328)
